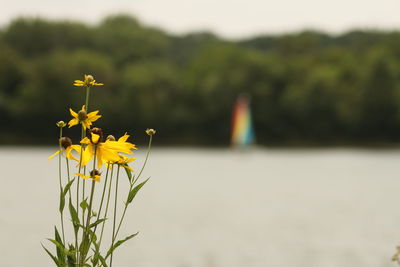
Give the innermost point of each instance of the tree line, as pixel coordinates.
(306, 88)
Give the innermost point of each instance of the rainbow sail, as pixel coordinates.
(242, 125)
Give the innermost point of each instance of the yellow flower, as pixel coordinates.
(67, 146)
(83, 118)
(87, 81)
(124, 160)
(107, 151)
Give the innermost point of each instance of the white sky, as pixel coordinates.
(228, 18)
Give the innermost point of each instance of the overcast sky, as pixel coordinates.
(228, 18)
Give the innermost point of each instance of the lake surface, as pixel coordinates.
(224, 208)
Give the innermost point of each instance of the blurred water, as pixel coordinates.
(223, 208)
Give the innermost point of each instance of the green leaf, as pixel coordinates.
(103, 261)
(71, 259)
(62, 201)
(97, 222)
(128, 173)
(60, 247)
(135, 190)
(118, 243)
(74, 216)
(84, 205)
(85, 245)
(68, 186)
(51, 255)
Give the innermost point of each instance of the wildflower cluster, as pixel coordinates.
(91, 157)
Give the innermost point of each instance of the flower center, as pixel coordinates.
(82, 115)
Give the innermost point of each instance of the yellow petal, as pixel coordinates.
(73, 122)
(52, 156)
(130, 160)
(73, 113)
(85, 125)
(95, 138)
(86, 155)
(85, 141)
(123, 138)
(69, 154)
(96, 178)
(83, 176)
(127, 167)
(93, 113)
(83, 108)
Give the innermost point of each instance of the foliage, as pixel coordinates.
(306, 88)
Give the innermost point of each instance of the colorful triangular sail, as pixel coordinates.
(242, 125)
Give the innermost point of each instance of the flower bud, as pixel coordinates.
(111, 138)
(65, 142)
(88, 79)
(61, 124)
(150, 131)
(82, 115)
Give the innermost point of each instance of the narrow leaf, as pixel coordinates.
(128, 173)
(68, 186)
(60, 247)
(97, 222)
(51, 255)
(135, 190)
(118, 243)
(71, 258)
(62, 201)
(74, 215)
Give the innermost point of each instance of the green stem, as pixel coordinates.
(60, 183)
(85, 234)
(115, 214)
(145, 161)
(87, 98)
(83, 196)
(68, 175)
(122, 217)
(102, 196)
(134, 181)
(108, 202)
(70, 197)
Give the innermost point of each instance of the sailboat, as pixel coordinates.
(242, 124)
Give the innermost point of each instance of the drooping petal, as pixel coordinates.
(73, 122)
(83, 176)
(107, 155)
(93, 113)
(124, 147)
(130, 160)
(87, 155)
(95, 138)
(127, 167)
(52, 156)
(85, 125)
(69, 154)
(94, 118)
(73, 113)
(78, 83)
(85, 141)
(96, 178)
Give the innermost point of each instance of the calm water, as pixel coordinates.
(222, 208)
